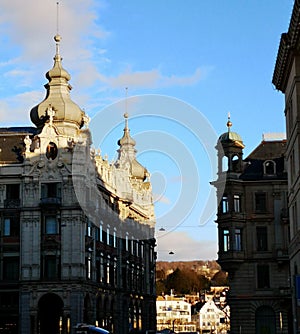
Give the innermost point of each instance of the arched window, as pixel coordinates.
(265, 321)
(51, 152)
(225, 164)
(269, 167)
(234, 162)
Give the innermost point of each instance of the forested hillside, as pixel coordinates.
(188, 277)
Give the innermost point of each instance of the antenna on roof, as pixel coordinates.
(57, 17)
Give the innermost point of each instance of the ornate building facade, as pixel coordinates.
(253, 233)
(286, 80)
(77, 232)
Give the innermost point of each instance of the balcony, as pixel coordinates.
(50, 202)
(282, 255)
(51, 241)
(231, 260)
(12, 203)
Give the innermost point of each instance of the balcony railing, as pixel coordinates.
(50, 201)
(12, 203)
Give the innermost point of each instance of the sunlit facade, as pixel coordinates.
(76, 241)
(253, 233)
(286, 79)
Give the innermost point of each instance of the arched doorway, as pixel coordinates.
(50, 313)
(265, 322)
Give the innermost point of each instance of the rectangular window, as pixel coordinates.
(108, 271)
(104, 236)
(142, 249)
(102, 270)
(237, 203)
(97, 236)
(260, 202)
(12, 191)
(6, 230)
(238, 239)
(12, 199)
(11, 226)
(226, 240)
(88, 267)
(107, 236)
(224, 204)
(51, 267)
(126, 243)
(10, 268)
(100, 233)
(115, 239)
(89, 229)
(51, 226)
(262, 238)
(51, 190)
(263, 276)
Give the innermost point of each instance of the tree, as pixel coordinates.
(220, 279)
(186, 282)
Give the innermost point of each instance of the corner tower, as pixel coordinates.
(230, 157)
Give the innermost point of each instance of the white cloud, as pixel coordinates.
(27, 28)
(15, 110)
(185, 247)
(150, 79)
(31, 25)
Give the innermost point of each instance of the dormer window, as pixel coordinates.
(269, 167)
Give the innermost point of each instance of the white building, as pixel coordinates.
(174, 313)
(212, 319)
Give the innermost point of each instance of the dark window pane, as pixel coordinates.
(260, 202)
(262, 238)
(10, 268)
(50, 267)
(263, 276)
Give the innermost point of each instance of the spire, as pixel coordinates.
(127, 154)
(58, 72)
(229, 124)
(127, 142)
(231, 136)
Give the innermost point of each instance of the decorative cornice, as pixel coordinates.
(288, 44)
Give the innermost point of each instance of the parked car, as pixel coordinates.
(89, 329)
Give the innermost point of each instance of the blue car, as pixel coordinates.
(89, 329)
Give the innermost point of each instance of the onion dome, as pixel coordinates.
(127, 154)
(126, 140)
(231, 136)
(67, 113)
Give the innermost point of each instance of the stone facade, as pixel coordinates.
(77, 232)
(286, 80)
(253, 233)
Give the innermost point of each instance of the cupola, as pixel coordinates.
(127, 155)
(231, 154)
(68, 117)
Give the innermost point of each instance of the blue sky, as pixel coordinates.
(186, 65)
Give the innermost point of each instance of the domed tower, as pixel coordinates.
(127, 156)
(230, 153)
(67, 116)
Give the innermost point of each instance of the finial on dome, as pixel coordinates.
(229, 124)
(126, 121)
(57, 39)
